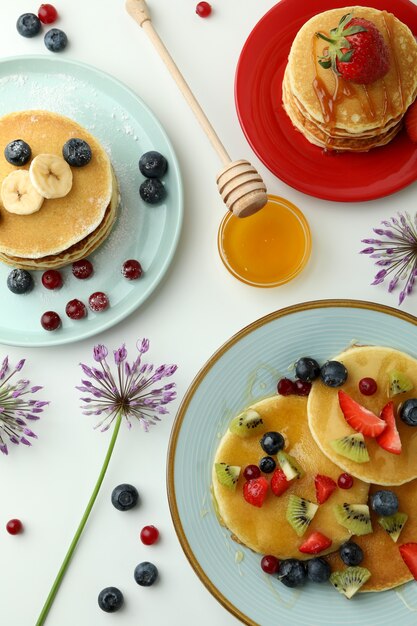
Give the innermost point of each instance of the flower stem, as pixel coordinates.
(54, 589)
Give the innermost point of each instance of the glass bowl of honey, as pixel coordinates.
(268, 248)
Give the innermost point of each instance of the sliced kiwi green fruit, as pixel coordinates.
(291, 468)
(300, 512)
(393, 524)
(247, 423)
(352, 447)
(399, 383)
(350, 580)
(227, 475)
(354, 517)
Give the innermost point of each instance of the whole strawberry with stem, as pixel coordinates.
(356, 51)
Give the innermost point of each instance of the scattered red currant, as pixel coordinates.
(251, 471)
(270, 564)
(203, 9)
(345, 481)
(76, 309)
(302, 388)
(47, 13)
(98, 301)
(52, 279)
(132, 269)
(82, 269)
(286, 387)
(368, 386)
(14, 526)
(148, 535)
(50, 320)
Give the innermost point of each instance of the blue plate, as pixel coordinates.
(126, 128)
(244, 370)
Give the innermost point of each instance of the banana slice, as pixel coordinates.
(18, 195)
(50, 175)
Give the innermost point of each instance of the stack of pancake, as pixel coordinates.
(339, 115)
(68, 228)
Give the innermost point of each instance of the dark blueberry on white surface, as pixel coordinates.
(152, 191)
(153, 164)
(20, 281)
(145, 574)
(17, 152)
(28, 25)
(124, 497)
(55, 40)
(110, 599)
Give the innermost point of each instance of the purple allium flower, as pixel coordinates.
(128, 391)
(397, 253)
(16, 409)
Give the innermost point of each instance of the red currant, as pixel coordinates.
(270, 564)
(132, 269)
(52, 279)
(302, 388)
(148, 535)
(14, 526)
(251, 471)
(368, 386)
(345, 481)
(47, 13)
(98, 301)
(76, 309)
(203, 9)
(50, 320)
(82, 268)
(286, 387)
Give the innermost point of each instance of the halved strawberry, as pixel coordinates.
(389, 439)
(324, 487)
(254, 491)
(409, 554)
(410, 120)
(279, 482)
(361, 419)
(315, 543)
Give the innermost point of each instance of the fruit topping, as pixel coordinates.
(110, 599)
(315, 543)
(291, 468)
(354, 517)
(279, 482)
(124, 497)
(408, 552)
(18, 195)
(203, 9)
(47, 13)
(50, 175)
(399, 383)
(307, 369)
(251, 471)
(324, 487)
(267, 464)
(145, 574)
(28, 25)
(269, 564)
(82, 269)
(356, 50)
(152, 191)
(393, 524)
(410, 120)
(76, 309)
(318, 570)
(367, 386)
(272, 442)
(292, 573)
(50, 320)
(77, 152)
(227, 475)
(255, 490)
(359, 418)
(132, 269)
(389, 439)
(408, 412)
(17, 152)
(352, 447)
(52, 279)
(247, 423)
(302, 388)
(98, 301)
(14, 526)
(345, 481)
(286, 387)
(350, 580)
(384, 502)
(55, 40)
(300, 512)
(152, 164)
(20, 281)
(149, 535)
(333, 374)
(351, 553)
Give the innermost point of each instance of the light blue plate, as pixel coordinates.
(126, 128)
(244, 370)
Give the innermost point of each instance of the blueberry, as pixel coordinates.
(152, 164)
(333, 374)
(17, 152)
(110, 599)
(292, 573)
(267, 464)
(351, 553)
(145, 574)
(28, 25)
(408, 412)
(384, 502)
(20, 281)
(152, 191)
(124, 497)
(76, 152)
(272, 442)
(307, 369)
(55, 40)
(318, 570)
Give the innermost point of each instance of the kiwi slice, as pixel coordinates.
(393, 524)
(350, 580)
(354, 517)
(227, 475)
(352, 447)
(300, 512)
(399, 383)
(247, 423)
(291, 468)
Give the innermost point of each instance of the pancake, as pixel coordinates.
(327, 422)
(266, 530)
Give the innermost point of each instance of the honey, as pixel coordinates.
(268, 248)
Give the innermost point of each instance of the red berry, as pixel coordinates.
(132, 269)
(47, 13)
(368, 386)
(302, 388)
(254, 491)
(82, 268)
(14, 526)
(389, 439)
(279, 482)
(251, 471)
(324, 487)
(203, 9)
(50, 320)
(148, 535)
(76, 309)
(98, 301)
(52, 279)
(345, 481)
(270, 564)
(286, 387)
(315, 543)
(359, 417)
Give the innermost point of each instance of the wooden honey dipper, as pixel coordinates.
(240, 185)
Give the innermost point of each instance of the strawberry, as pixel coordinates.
(356, 51)
(389, 439)
(315, 543)
(361, 419)
(410, 121)
(254, 491)
(409, 555)
(279, 482)
(324, 487)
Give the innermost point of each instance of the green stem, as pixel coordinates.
(54, 589)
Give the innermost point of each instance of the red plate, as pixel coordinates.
(343, 177)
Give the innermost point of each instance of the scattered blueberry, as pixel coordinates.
(351, 553)
(267, 464)
(110, 599)
(152, 191)
(17, 152)
(19, 281)
(292, 573)
(76, 152)
(384, 502)
(152, 164)
(272, 442)
(145, 574)
(307, 369)
(124, 497)
(55, 40)
(408, 412)
(28, 25)
(333, 374)
(318, 570)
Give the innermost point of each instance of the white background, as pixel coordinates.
(196, 308)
